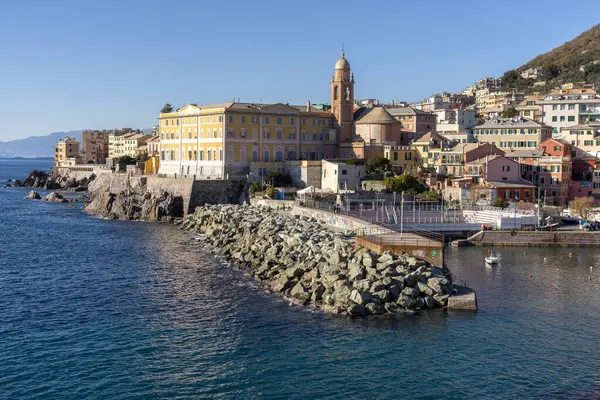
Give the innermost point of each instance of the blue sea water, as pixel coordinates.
(96, 309)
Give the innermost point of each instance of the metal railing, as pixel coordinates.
(401, 241)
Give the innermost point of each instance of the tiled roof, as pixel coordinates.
(377, 115)
(499, 123)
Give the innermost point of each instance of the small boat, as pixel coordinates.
(491, 259)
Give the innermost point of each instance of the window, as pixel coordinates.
(266, 120)
(571, 118)
(344, 172)
(303, 136)
(313, 155)
(195, 155)
(279, 120)
(220, 118)
(266, 155)
(292, 135)
(162, 155)
(506, 168)
(314, 136)
(291, 155)
(395, 156)
(542, 180)
(189, 154)
(243, 154)
(588, 142)
(230, 155)
(303, 121)
(562, 118)
(571, 106)
(292, 121)
(208, 155)
(279, 135)
(254, 155)
(230, 133)
(243, 118)
(279, 156)
(243, 134)
(554, 118)
(214, 133)
(314, 122)
(562, 107)
(554, 107)
(220, 154)
(266, 135)
(201, 155)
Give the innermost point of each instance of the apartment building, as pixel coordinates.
(567, 107)
(66, 152)
(584, 138)
(512, 133)
(452, 160)
(529, 108)
(126, 144)
(94, 146)
(402, 158)
(415, 123)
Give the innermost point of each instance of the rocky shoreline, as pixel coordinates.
(54, 181)
(308, 264)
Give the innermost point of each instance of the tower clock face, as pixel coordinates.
(345, 74)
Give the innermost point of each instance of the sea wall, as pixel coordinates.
(542, 238)
(120, 196)
(328, 218)
(305, 262)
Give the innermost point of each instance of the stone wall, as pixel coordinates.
(544, 238)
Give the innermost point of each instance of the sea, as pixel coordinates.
(101, 309)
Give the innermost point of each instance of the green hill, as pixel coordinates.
(577, 60)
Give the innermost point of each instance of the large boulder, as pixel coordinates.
(360, 297)
(55, 197)
(299, 292)
(33, 195)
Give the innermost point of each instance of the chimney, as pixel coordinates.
(308, 105)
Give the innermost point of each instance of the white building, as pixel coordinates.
(568, 107)
(338, 176)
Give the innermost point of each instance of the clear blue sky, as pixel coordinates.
(67, 65)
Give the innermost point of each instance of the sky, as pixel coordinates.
(101, 64)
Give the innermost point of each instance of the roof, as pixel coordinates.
(496, 123)
(342, 63)
(579, 127)
(142, 148)
(376, 115)
(464, 147)
(557, 140)
(240, 106)
(429, 136)
(525, 153)
(503, 184)
(406, 111)
(484, 160)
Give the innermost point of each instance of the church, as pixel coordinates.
(223, 140)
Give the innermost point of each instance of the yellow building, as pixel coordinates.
(401, 157)
(221, 140)
(120, 145)
(429, 147)
(66, 152)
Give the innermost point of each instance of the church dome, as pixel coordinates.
(342, 63)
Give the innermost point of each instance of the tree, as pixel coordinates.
(279, 179)
(123, 161)
(404, 183)
(500, 203)
(167, 109)
(255, 186)
(377, 165)
(582, 206)
(510, 112)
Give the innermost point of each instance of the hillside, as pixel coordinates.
(577, 60)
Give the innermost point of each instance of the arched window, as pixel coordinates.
(335, 92)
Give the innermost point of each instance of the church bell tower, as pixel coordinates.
(342, 99)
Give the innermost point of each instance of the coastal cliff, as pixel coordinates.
(306, 263)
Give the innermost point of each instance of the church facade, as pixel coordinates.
(222, 140)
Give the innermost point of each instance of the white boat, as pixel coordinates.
(492, 259)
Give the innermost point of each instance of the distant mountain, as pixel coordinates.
(577, 60)
(35, 146)
(39, 146)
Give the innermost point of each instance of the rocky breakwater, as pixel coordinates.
(304, 262)
(54, 180)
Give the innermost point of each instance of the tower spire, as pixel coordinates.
(343, 50)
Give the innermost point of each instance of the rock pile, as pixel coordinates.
(307, 263)
(136, 204)
(55, 198)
